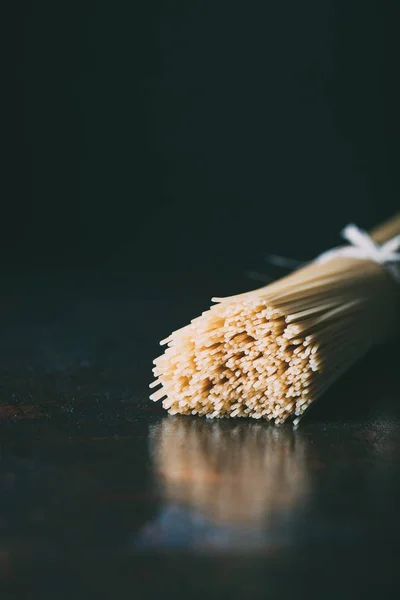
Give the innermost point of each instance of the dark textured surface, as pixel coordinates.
(103, 494)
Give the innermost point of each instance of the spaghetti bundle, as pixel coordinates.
(272, 352)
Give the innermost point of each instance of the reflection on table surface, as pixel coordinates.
(225, 483)
(238, 485)
(162, 486)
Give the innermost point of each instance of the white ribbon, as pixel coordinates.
(363, 247)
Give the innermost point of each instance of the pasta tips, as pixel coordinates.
(268, 354)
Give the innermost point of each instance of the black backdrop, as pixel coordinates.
(155, 151)
(192, 137)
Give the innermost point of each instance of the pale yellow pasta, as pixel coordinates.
(270, 353)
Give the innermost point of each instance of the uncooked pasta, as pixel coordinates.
(270, 353)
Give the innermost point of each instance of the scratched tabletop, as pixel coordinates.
(104, 495)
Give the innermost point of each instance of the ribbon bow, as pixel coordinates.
(363, 247)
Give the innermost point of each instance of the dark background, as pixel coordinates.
(155, 151)
(192, 137)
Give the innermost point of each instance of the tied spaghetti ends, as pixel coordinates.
(271, 352)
